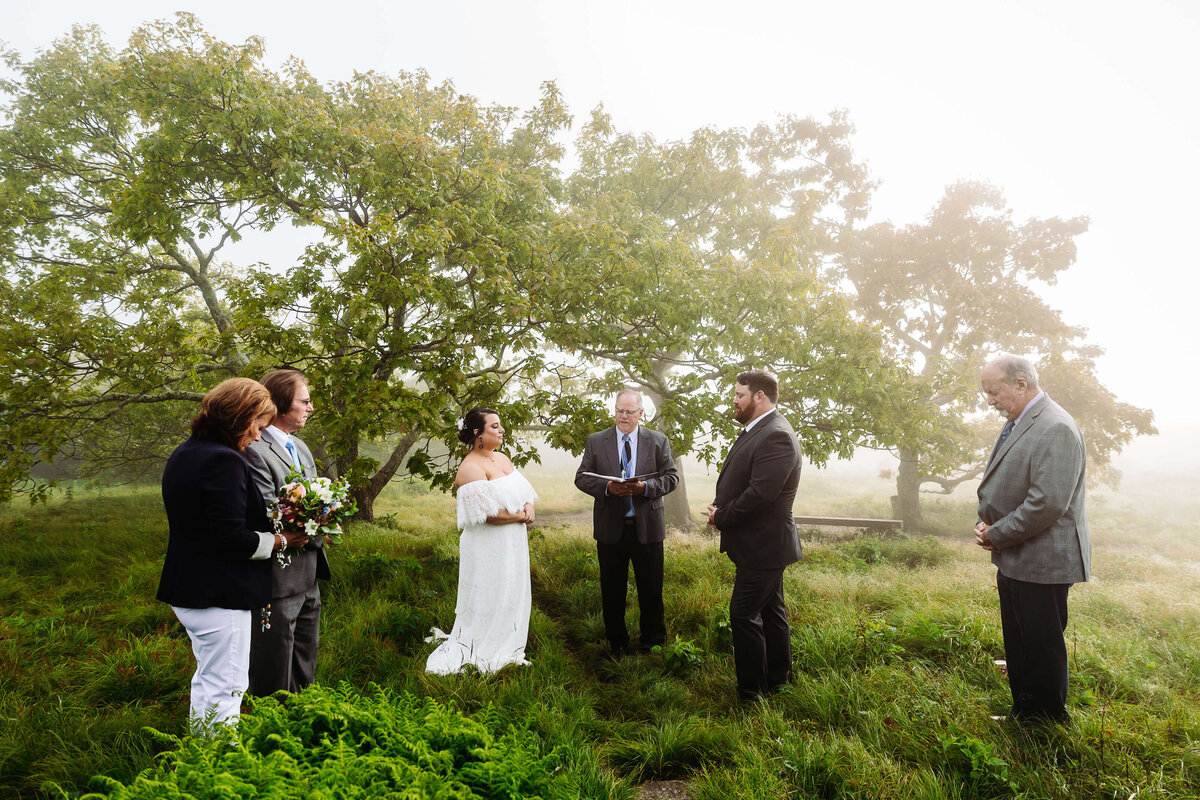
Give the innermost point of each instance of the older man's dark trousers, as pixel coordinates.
(647, 561)
(762, 646)
(1033, 617)
(284, 656)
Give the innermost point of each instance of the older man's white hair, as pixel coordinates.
(634, 393)
(1014, 367)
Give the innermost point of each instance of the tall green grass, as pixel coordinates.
(893, 642)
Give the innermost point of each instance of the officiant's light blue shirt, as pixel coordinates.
(633, 442)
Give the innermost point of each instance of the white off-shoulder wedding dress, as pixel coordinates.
(491, 619)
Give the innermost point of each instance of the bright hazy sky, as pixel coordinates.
(1073, 107)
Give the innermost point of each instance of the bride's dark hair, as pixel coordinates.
(473, 423)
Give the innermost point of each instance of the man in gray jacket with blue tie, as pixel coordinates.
(1033, 520)
(284, 637)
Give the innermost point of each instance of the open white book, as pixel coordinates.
(619, 479)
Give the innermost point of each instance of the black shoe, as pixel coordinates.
(1032, 720)
(1040, 719)
(616, 652)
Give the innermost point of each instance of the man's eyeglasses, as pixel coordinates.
(625, 412)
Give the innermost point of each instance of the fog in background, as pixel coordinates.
(1071, 107)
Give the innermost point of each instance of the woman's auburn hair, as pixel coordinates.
(229, 409)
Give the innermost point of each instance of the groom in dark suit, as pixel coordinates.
(753, 511)
(628, 521)
(285, 636)
(1033, 520)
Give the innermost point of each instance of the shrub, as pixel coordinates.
(338, 743)
(975, 763)
(407, 626)
(720, 631)
(680, 656)
(869, 550)
(877, 640)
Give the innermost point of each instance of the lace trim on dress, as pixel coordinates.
(476, 503)
(479, 500)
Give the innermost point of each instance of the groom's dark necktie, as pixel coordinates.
(1008, 427)
(627, 471)
(736, 441)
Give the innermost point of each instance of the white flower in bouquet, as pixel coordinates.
(314, 506)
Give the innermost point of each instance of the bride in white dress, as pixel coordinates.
(495, 502)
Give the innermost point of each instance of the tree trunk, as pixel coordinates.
(365, 495)
(328, 468)
(906, 504)
(675, 505)
(678, 513)
(364, 498)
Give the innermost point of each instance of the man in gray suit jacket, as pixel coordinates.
(753, 510)
(1033, 520)
(628, 521)
(285, 637)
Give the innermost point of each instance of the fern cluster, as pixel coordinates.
(337, 743)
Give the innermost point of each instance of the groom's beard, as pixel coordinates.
(743, 415)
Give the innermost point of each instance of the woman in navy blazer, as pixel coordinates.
(217, 569)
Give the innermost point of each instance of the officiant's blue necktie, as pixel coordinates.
(627, 471)
(295, 456)
(1003, 435)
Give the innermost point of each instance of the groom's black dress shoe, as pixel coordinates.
(1033, 720)
(617, 652)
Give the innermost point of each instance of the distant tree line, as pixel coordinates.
(455, 261)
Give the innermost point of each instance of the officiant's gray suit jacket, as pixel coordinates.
(271, 464)
(1032, 498)
(608, 511)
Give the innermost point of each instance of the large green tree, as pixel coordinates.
(958, 288)
(111, 310)
(126, 175)
(421, 298)
(701, 260)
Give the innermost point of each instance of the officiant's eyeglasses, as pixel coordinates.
(625, 412)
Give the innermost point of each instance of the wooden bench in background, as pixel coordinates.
(853, 522)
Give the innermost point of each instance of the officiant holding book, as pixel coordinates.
(628, 469)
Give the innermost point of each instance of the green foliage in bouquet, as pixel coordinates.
(314, 506)
(338, 743)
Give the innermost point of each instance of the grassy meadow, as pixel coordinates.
(894, 639)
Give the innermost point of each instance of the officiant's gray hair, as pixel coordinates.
(1015, 367)
(628, 391)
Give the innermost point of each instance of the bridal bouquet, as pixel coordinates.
(313, 506)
